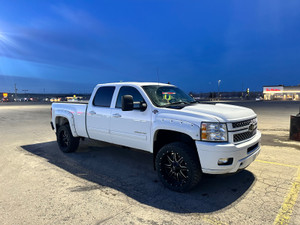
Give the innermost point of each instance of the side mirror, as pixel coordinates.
(127, 103)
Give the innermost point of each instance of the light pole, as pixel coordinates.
(219, 81)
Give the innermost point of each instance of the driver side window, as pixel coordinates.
(127, 90)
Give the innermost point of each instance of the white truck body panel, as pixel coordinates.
(75, 113)
(98, 122)
(131, 128)
(221, 112)
(239, 153)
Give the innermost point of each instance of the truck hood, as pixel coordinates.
(221, 112)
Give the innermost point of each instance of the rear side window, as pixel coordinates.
(126, 90)
(103, 96)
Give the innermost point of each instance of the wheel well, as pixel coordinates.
(163, 137)
(59, 121)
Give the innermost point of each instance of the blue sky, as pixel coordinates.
(73, 45)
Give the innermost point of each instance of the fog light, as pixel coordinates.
(225, 161)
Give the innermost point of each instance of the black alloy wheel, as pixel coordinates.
(174, 168)
(65, 137)
(178, 167)
(66, 141)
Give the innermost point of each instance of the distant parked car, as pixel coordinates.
(55, 99)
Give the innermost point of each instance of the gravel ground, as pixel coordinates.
(107, 184)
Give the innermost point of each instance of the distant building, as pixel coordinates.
(281, 92)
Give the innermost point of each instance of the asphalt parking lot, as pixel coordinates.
(107, 184)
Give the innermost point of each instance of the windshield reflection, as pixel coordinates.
(167, 96)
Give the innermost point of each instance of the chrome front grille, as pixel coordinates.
(243, 130)
(243, 123)
(244, 136)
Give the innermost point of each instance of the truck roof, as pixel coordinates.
(134, 83)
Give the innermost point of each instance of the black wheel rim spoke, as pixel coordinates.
(169, 159)
(174, 169)
(180, 160)
(184, 168)
(177, 177)
(168, 165)
(65, 139)
(182, 174)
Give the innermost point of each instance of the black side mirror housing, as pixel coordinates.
(127, 103)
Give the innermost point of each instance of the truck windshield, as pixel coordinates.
(168, 96)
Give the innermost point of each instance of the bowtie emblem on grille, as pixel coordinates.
(251, 127)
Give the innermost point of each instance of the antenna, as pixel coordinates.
(157, 74)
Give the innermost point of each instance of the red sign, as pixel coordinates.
(272, 89)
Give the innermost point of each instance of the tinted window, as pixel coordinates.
(125, 90)
(166, 95)
(103, 96)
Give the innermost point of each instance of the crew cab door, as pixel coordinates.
(99, 114)
(131, 128)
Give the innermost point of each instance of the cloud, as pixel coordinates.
(71, 38)
(80, 18)
(58, 46)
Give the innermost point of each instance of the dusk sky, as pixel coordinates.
(66, 46)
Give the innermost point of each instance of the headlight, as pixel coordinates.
(213, 131)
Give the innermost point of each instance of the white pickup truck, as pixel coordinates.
(186, 138)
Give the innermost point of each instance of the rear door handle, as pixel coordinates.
(116, 115)
(92, 112)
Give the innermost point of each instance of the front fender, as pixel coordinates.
(176, 125)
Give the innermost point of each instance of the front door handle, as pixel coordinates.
(92, 112)
(116, 115)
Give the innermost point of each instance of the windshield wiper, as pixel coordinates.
(176, 103)
(179, 104)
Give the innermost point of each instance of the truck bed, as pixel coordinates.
(75, 111)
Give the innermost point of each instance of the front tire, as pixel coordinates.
(66, 141)
(178, 166)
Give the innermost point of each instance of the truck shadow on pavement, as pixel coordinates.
(131, 172)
